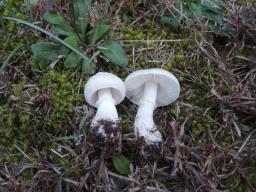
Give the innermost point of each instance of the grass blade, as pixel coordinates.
(49, 34)
(7, 60)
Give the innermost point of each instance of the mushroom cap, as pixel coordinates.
(168, 85)
(104, 80)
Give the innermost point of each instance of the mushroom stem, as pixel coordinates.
(106, 109)
(144, 123)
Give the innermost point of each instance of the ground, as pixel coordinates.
(209, 132)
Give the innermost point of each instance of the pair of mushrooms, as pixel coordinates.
(147, 88)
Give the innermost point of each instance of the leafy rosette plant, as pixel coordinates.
(189, 11)
(79, 36)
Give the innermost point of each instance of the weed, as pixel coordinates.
(77, 37)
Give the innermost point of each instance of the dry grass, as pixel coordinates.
(209, 133)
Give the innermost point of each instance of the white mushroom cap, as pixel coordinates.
(104, 80)
(168, 85)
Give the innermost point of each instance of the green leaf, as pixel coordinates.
(224, 30)
(81, 13)
(72, 41)
(97, 32)
(39, 65)
(72, 61)
(35, 66)
(213, 16)
(172, 21)
(87, 66)
(61, 32)
(115, 53)
(55, 19)
(46, 51)
(195, 10)
(49, 34)
(121, 164)
(9, 57)
(62, 25)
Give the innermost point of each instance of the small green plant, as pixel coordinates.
(72, 41)
(78, 37)
(189, 11)
(121, 164)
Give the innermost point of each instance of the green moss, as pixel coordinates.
(10, 32)
(179, 58)
(169, 65)
(16, 89)
(62, 89)
(32, 125)
(148, 30)
(225, 140)
(129, 33)
(199, 125)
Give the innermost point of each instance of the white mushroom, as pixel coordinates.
(149, 89)
(104, 91)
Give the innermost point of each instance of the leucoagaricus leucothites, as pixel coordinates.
(149, 89)
(104, 91)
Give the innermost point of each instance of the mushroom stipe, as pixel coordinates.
(111, 129)
(150, 88)
(109, 144)
(104, 91)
